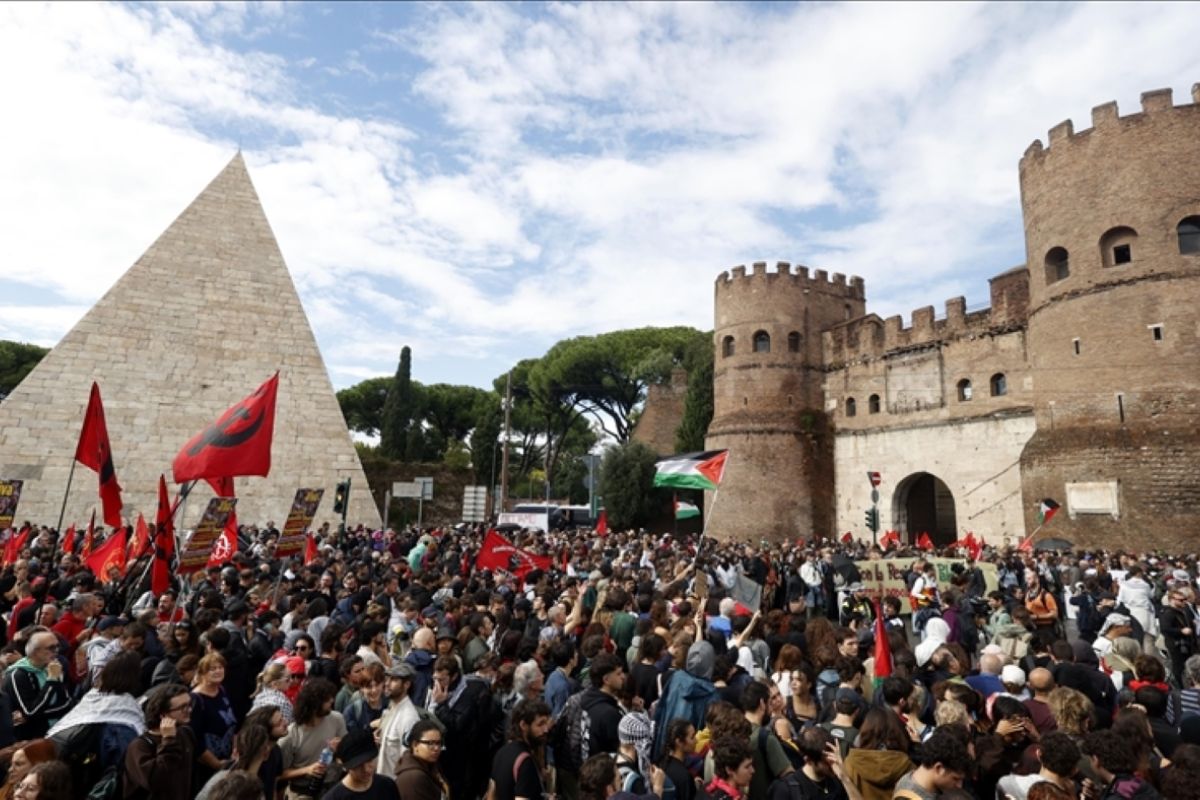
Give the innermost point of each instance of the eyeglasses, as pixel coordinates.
(177, 708)
(436, 744)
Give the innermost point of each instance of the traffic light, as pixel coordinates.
(873, 519)
(341, 497)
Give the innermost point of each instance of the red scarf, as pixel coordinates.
(729, 788)
(1162, 687)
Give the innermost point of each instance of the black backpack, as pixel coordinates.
(570, 736)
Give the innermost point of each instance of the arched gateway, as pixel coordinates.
(923, 504)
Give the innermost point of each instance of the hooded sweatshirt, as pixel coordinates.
(876, 772)
(687, 694)
(604, 718)
(937, 633)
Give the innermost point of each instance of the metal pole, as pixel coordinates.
(420, 507)
(507, 432)
(63, 511)
(387, 506)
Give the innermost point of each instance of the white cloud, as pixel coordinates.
(585, 167)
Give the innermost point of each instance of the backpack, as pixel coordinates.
(79, 749)
(570, 736)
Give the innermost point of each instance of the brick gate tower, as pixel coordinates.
(1112, 229)
(768, 397)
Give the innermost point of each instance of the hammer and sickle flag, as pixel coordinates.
(238, 443)
(108, 555)
(95, 453)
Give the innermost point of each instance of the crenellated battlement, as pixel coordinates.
(871, 337)
(1106, 119)
(785, 275)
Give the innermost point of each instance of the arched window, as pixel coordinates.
(727, 347)
(1058, 265)
(762, 342)
(964, 390)
(1189, 236)
(794, 342)
(873, 404)
(1116, 246)
(851, 407)
(999, 385)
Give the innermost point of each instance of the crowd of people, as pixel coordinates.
(389, 666)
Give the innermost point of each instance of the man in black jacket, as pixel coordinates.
(599, 702)
(1176, 625)
(463, 705)
(35, 687)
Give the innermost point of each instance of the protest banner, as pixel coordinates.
(199, 547)
(291, 539)
(10, 495)
(885, 577)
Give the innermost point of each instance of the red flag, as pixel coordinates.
(164, 542)
(310, 549)
(110, 554)
(499, 553)
(602, 523)
(974, 548)
(68, 541)
(564, 558)
(847, 537)
(15, 544)
(924, 542)
(95, 453)
(226, 545)
(890, 539)
(88, 537)
(141, 539)
(238, 443)
(883, 649)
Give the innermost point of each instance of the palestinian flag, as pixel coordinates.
(691, 470)
(1046, 509)
(685, 510)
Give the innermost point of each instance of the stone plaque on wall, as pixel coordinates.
(914, 382)
(1097, 497)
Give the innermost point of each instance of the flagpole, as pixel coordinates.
(707, 514)
(62, 512)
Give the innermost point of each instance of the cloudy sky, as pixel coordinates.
(479, 181)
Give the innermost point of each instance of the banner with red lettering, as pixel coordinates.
(304, 508)
(885, 577)
(10, 495)
(196, 552)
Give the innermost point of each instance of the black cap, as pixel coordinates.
(356, 748)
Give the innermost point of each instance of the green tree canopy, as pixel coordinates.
(606, 376)
(362, 405)
(698, 405)
(17, 359)
(627, 485)
(400, 407)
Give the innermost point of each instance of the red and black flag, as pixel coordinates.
(68, 542)
(164, 542)
(238, 443)
(95, 453)
(310, 549)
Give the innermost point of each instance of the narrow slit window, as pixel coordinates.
(873, 404)
(1075, 344)
(1156, 332)
(1122, 254)
(1121, 407)
(851, 407)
